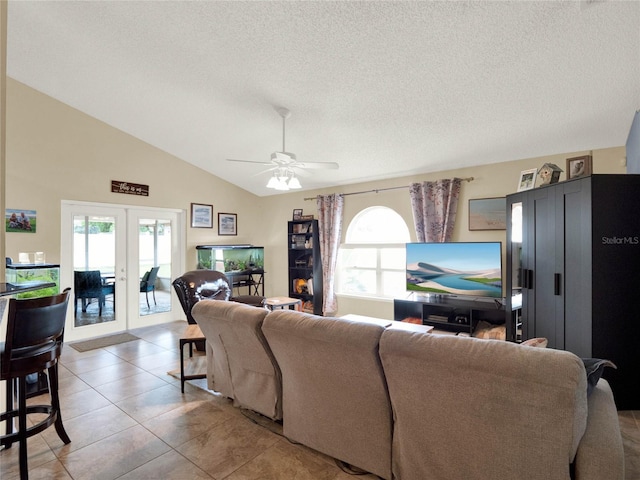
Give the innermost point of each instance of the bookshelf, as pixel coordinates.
(305, 266)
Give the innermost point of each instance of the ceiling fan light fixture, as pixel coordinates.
(294, 183)
(282, 185)
(273, 182)
(282, 163)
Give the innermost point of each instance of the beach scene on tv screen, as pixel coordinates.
(471, 269)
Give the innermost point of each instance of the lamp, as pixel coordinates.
(283, 179)
(273, 182)
(294, 182)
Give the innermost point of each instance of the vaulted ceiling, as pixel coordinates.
(386, 89)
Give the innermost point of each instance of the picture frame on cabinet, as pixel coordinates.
(488, 214)
(201, 215)
(297, 213)
(579, 166)
(227, 224)
(527, 179)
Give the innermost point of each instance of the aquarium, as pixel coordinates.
(22, 273)
(230, 258)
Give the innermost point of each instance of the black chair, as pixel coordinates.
(196, 285)
(148, 284)
(35, 331)
(88, 285)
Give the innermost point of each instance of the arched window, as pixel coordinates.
(371, 262)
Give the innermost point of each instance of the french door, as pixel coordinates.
(106, 251)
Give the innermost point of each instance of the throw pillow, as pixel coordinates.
(416, 320)
(536, 342)
(487, 330)
(594, 368)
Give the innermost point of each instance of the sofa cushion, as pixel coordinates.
(480, 409)
(234, 333)
(335, 398)
(601, 453)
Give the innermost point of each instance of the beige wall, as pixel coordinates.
(494, 180)
(56, 153)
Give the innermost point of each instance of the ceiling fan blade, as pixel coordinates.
(265, 171)
(284, 163)
(248, 161)
(301, 172)
(283, 157)
(327, 165)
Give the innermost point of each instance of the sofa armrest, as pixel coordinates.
(600, 454)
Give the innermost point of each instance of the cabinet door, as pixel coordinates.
(532, 262)
(543, 221)
(575, 203)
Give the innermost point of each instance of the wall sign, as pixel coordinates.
(129, 188)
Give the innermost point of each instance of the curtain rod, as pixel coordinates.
(468, 179)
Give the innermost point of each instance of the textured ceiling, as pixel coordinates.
(385, 89)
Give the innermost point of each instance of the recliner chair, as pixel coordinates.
(196, 285)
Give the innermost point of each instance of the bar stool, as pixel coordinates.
(35, 331)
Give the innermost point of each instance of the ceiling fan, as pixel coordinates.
(284, 164)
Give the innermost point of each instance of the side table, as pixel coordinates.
(281, 302)
(191, 335)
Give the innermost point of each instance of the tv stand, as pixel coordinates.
(449, 312)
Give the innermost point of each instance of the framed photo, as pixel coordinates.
(579, 166)
(201, 215)
(488, 214)
(227, 224)
(297, 213)
(20, 220)
(527, 179)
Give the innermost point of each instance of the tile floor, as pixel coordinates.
(128, 420)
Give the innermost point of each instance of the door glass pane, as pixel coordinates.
(94, 269)
(154, 255)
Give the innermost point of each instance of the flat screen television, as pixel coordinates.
(472, 269)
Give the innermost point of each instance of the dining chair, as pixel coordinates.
(86, 286)
(148, 284)
(33, 343)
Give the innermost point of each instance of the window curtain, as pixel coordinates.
(330, 210)
(434, 206)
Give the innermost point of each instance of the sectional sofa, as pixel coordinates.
(412, 406)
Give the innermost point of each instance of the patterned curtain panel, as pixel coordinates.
(330, 208)
(434, 206)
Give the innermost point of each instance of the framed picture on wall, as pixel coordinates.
(201, 215)
(488, 214)
(227, 224)
(20, 220)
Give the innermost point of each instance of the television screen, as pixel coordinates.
(460, 268)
